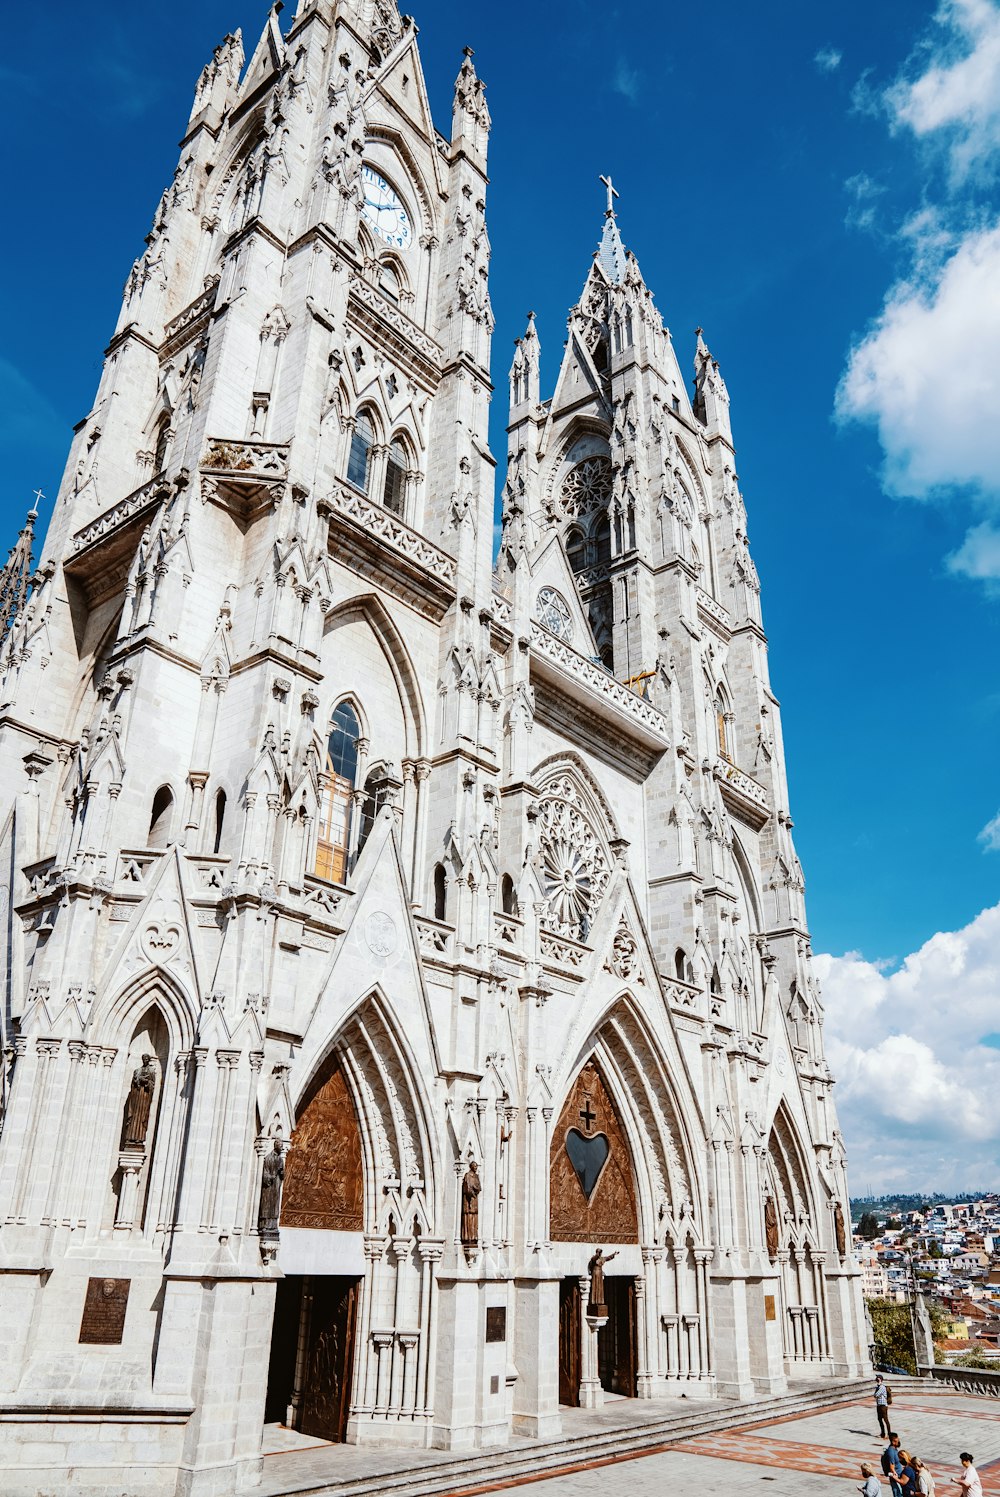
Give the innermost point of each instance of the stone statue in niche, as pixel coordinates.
(139, 1105)
(596, 1304)
(471, 1188)
(771, 1226)
(838, 1228)
(271, 1179)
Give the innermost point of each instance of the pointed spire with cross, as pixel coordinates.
(611, 252)
(613, 193)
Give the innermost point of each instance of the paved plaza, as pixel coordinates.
(803, 1455)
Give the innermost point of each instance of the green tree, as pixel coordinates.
(892, 1327)
(976, 1358)
(935, 1250)
(868, 1225)
(893, 1224)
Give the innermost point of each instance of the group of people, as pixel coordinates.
(908, 1474)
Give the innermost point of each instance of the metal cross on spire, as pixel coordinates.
(612, 194)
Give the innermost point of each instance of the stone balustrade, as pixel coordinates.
(598, 679)
(146, 496)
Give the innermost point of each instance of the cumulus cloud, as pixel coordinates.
(828, 59)
(927, 375)
(956, 95)
(916, 1068)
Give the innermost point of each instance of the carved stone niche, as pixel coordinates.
(324, 1181)
(590, 1168)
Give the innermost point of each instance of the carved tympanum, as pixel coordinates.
(592, 1186)
(324, 1184)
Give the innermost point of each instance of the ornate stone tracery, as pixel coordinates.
(586, 487)
(573, 865)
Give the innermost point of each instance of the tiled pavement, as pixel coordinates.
(810, 1454)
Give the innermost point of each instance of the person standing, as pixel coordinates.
(871, 1486)
(969, 1483)
(925, 1479)
(892, 1466)
(908, 1478)
(882, 1405)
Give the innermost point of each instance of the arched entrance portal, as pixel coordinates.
(593, 1204)
(316, 1314)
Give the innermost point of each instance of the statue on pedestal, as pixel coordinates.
(139, 1105)
(272, 1176)
(771, 1227)
(596, 1304)
(471, 1187)
(838, 1228)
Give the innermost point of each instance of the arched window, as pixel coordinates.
(394, 491)
(376, 796)
(160, 447)
(160, 818)
(716, 983)
(602, 541)
(220, 818)
(722, 726)
(440, 891)
(388, 282)
(334, 842)
(508, 895)
(362, 439)
(576, 550)
(680, 964)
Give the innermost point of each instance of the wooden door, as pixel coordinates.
(569, 1342)
(617, 1347)
(326, 1383)
(284, 1347)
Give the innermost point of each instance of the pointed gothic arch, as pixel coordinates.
(371, 610)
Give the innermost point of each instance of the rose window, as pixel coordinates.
(553, 612)
(572, 865)
(587, 487)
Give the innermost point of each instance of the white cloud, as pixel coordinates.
(990, 835)
(956, 96)
(917, 1085)
(828, 59)
(927, 375)
(864, 193)
(626, 81)
(978, 556)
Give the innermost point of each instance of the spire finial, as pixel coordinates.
(613, 193)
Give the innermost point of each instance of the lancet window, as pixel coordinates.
(333, 848)
(394, 488)
(359, 459)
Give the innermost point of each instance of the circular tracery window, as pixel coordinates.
(553, 612)
(587, 486)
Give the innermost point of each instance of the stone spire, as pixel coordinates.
(16, 574)
(470, 118)
(524, 371)
(711, 398)
(611, 251)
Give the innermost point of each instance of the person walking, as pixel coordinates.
(892, 1465)
(925, 1479)
(908, 1478)
(871, 1486)
(882, 1404)
(969, 1482)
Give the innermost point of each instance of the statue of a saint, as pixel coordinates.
(139, 1104)
(838, 1228)
(596, 1304)
(471, 1187)
(771, 1226)
(271, 1180)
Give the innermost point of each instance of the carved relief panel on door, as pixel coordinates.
(592, 1188)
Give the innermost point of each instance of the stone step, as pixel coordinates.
(535, 1458)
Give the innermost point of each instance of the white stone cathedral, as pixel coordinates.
(386, 929)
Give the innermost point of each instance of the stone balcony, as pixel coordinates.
(745, 796)
(377, 544)
(585, 700)
(244, 477)
(101, 552)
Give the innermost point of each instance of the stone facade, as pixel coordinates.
(385, 854)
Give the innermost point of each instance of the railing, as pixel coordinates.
(436, 938)
(713, 612)
(597, 679)
(562, 949)
(742, 786)
(376, 520)
(265, 460)
(202, 303)
(508, 930)
(967, 1379)
(126, 509)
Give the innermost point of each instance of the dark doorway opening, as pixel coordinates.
(617, 1346)
(569, 1342)
(312, 1354)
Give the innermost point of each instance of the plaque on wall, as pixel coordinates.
(769, 1311)
(104, 1309)
(496, 1323)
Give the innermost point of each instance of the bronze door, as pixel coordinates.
(326, 1383)
(569, 1342)
(617, 1350)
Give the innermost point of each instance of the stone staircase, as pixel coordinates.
(435, 1473)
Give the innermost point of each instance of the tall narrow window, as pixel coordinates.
(376, 796)
(602, 541)
(722, 726)
(161, 817)
(576, 550)
(220, 818)
(361, 445)
(440, 891)
(508, 895)
(334, 843)
(160, 450)
(388, 282)
(395, 479)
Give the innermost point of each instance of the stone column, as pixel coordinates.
(591, 1392)
(130, 1162)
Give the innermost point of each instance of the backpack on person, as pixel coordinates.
(888, 1394)
(886, 1463)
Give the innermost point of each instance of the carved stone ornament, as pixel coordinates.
(471, 1187)
(573, 867)
(552, 610)
(586, 488)
(592, 1189)
(272, 1177)
(139, 1105)
(771, 1227)
(623, 960)
(323, 1183)
(380, 934)
(839, 1230)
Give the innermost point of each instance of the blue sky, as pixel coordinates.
(803, 181)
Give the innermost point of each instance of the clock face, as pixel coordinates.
(553, 612)
(383, 211)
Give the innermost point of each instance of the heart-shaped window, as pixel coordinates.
(588, 1154)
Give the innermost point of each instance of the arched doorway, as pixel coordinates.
(316, 1314)
(593, 1204)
